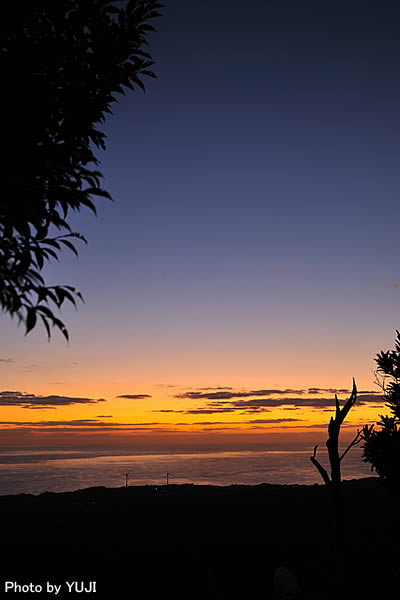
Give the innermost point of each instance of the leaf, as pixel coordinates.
(39, 253)
(30, 319)
(52, 253)
(60, 295)
(98, 192)
(79, 236)
(69, 296)
(70, 246)
(139, 83)
(46, 311)
(61, 327)
(52, 243)
(46, 325)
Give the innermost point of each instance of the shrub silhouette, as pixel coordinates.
(63, 62)
(381, 448)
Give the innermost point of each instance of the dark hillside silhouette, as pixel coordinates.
(62, 64)
(198, 542)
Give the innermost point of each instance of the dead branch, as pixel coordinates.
(332, 442)
(358, 438)
(334, 485)
(323, 472)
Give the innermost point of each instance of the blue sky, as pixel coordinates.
(254, 233)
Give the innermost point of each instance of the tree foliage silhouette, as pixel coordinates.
(63, 62)
(381, 448)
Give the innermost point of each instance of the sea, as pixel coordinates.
(35, 472)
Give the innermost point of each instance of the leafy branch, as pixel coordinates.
(78, 56)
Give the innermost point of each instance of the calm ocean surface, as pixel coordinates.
(59, 471)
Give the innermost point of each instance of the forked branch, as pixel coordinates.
(332, 442)
(323, 472)
(358, 438)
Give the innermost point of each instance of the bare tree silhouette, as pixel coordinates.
(338, 567)
(334, 480)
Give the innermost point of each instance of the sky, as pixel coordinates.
(248, 267)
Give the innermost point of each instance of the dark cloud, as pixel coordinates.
(284, 420)
(71, 423)
(233, 394)
(206, 411)
(210, 423)
(208, 396)
(370, 398)
(105, 429)
(253, 424)
(134, 396)
(317, 390)
(229, 395)
(32, 401)
(256, 405)
(218, 429)
(278, 420)
(324, 426)
(7, 360)
(218, 387)
(103, 416)
(76, 425)
(250, 422)
(39, 407)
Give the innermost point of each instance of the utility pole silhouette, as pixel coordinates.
(167, 476)
(126, 479)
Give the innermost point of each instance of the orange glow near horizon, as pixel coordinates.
(163, 417)
(89, 369)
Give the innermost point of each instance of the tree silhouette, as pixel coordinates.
(338, 568)
(382, 448)
(63, 62)
(334, 480)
